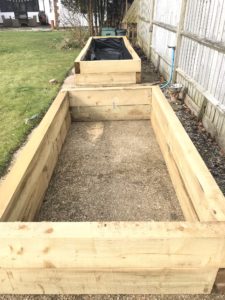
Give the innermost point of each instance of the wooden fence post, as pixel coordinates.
(179, 37)
(152, 8)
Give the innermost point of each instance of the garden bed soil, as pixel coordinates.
(110, 171)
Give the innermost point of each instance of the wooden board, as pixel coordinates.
(107, 72)
(111, 66)
(178, 183)
(103, 68)
(196, 182)
(113, 257)
(129, 95)
(73, 281)
(105, 79)
(112, 103)
(82, 53)
(22, 191)
(110, 113)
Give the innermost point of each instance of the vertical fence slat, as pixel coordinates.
(200, 49)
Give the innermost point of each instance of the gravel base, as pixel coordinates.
(115, 297)
(148, 70)
(110, 171)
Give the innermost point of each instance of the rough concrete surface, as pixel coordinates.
(110, 171)
(114, 297)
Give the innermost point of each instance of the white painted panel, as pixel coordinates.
(206, 18)
(161, 39)
(143, 30)
(167, 11)
(145, 9)
(206, 66)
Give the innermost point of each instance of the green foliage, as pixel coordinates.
(28, 61)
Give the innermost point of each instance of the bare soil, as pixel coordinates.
(114, 297)
(149, 74)
(110, 171)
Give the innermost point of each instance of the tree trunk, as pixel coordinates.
(90, 18)
(96, 18)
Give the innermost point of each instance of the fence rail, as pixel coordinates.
(197, 28)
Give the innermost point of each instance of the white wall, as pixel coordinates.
(65, 17)
(46, 6)
(7, 15)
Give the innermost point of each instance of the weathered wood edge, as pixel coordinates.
(207, 198)
(90, 67)
(162, 251)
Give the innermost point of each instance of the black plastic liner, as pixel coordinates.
(107, 49)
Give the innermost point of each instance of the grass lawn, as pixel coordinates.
(28, 60)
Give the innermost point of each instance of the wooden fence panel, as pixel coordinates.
(198, 30)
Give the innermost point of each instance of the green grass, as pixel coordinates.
(28, 60)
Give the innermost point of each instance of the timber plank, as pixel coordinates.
(104, 79)
(112, 257)
(132, 95)
(112, 244)
(110, 113)
(207, 199)
(73, 281)
(112, 66)
(176, 178)
(83, 52)
(23, 188)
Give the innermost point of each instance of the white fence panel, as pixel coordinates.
(160, 40)
(144, 10)
(201, 63)
(167, 11)
(143, 26)
(206, 18)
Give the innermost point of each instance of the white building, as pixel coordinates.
(53, 9)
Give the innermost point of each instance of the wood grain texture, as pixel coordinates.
(112, 245)
(111, 66)
(128, 95)
(73, 281)
(177, 180)
(110, 103)
(110, 113)
(105, 79)
(22, 191)
(111, 257)
(206, 197)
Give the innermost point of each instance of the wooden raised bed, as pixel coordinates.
(107, 72)
(110, 257)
